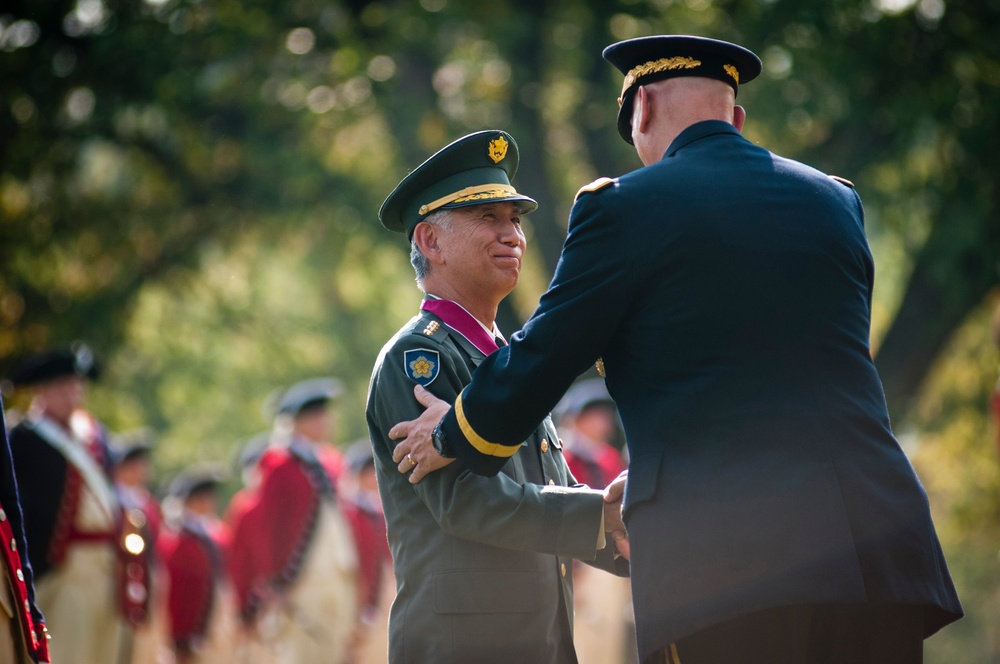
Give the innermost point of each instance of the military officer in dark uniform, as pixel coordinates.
(772, 516)
(23, 637)
(483, 565)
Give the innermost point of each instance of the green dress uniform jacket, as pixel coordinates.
(483, 565)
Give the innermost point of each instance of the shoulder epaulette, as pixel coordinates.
(843, 181)
(430, 327)
(596, 185)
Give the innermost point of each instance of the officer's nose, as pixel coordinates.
(511, 233)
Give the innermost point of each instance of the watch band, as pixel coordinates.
(440, 442)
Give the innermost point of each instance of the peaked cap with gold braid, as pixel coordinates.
(649, 59)
(473, 170)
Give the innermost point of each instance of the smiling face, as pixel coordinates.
(481, 250)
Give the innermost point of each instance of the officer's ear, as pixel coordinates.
(739, 117)
(640, 110)
(426, 237)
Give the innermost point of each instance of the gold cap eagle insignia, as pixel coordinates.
(497, 149)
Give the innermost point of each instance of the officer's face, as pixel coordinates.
(483, 247)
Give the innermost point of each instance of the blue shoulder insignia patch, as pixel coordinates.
(596, 185)
(421, 365)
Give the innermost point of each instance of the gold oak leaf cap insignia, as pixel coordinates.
(475, 169)
(596, 185)
(659, 57)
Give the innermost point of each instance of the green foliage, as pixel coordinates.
(956, 450)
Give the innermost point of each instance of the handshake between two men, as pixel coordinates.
(417, 455)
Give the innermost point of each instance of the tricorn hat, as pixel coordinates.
(308, 393)
(197, 479)
(77, 360)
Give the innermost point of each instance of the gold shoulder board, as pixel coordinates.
(843, 181)
(596, 185)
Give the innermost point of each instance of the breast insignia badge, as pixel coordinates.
(421, 365)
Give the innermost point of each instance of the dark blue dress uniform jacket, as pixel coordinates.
(728, 291)
(483, 566)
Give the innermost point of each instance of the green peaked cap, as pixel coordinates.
(473, 170)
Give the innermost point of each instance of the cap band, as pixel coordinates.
(667, 64)
(479, 192)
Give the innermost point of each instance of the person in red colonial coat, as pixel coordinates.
(362, 506)
(199, 602)
(23, 637)
(588, 421)
(588, 425)
(132, 454)
(294, 564)
(132, 459)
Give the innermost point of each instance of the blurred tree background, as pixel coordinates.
(192, 186)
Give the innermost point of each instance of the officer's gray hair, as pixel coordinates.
(422, 266)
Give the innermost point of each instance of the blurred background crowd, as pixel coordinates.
(278, 556)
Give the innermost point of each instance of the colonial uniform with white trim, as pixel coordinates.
(297, 591)
(200, 606)
(89, 573)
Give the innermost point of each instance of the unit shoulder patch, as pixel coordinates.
(421, 365)
(843, 181)
(596, 185)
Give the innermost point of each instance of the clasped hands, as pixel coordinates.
(415, 454)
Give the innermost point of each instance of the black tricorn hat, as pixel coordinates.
(77, 360)
(308, 393)
(649, 59)
(131, 445)
(473, 170)
(197, 479)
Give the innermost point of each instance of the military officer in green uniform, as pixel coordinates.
(483, 565)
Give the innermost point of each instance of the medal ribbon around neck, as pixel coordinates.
(460, 320)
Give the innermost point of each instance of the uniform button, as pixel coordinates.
(20, 574)
(562, 569)
(552, 482)
(545, 446)
(3, 515)
(13, 545)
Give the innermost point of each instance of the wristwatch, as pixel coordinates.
(440, 442)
